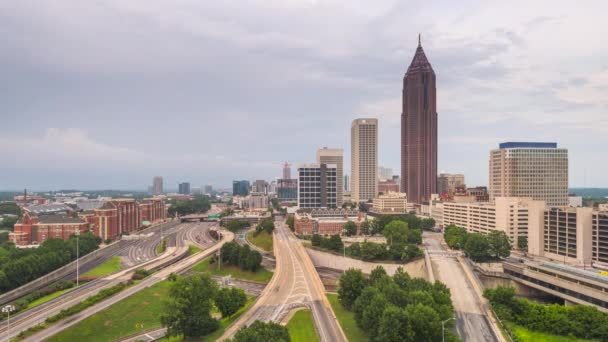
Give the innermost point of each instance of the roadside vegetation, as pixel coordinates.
(212, 266)
(262, 235)
(578, 321)
(199, 204)
(192, 249)
(478, 247)
(397, 308)
(109, 266)
(161, 247)
(347, 321)
(260, 331)
(236, 225)
(301, 327)
(41, 296)
(19, 266)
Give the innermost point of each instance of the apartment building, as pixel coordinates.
(334, 156)
(364, 159)
(317, 186)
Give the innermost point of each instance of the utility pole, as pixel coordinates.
(77, 257)
(443, 327)
(220, 260)
(8, 309)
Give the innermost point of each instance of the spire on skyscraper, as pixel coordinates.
(419, 62)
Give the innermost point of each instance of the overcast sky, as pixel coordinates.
(108, 94)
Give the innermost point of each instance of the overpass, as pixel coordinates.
(200, 218)
(571, 284)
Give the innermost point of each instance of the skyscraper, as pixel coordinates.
(530, 169)
(334, 156)
(385, 173)
(240, 188)
(184, 188)
(286, 171)
(317, 186)
(157, 185)
(419, 130)
(364, 159)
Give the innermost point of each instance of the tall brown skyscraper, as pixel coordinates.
(419, 130)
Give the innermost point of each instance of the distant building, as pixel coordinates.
(447, 184)
(346, 184)
(385, 173)
(34, 229)
(260, 186)
(184, 188)
(530, 169)
(397, 179)
(252, 216)
(325, 221)
(286, 171)
(387, 185)
(287, 190)
(272, 187)
(208, 189)
(392, 203)
(255, 200)
(480, 192)
(575, 201)
(364, 159)
(157, 185)
(317, 186)
(332, 156)
(240, 188)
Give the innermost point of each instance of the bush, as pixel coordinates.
(140, 273)
(103, 294)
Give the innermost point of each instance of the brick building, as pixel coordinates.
(35, 229)
(325, 222)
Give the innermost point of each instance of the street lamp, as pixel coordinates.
(8, 309)
(77, 233)
(443, 327)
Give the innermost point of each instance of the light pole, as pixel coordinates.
(77, 255)
(443, 327)
(8, 309)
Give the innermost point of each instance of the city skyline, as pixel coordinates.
(510, 79)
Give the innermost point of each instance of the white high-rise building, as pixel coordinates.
(334, 156)
(530, 169)
(385, 173)
(364, 159)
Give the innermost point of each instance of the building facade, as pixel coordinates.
(334, 156)
(286, 171)
(240, 188)
(387, 185)
(392, 203)
(326, 222)
(157, 185)
(530, 169)
(184, 188)
(317, 186)
(447, 183)
(33, 229)
(385, 173)
(364, 159)
(419, 130)
(287, 190)
(480, 192)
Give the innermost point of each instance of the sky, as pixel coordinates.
(107, 94)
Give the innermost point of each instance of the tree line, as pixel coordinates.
(376, 226)
(397, 308)
(19, 266)
(267, 225)
(199, 204)
(478, 247)
(242, 256)
(236, 225)
(580, 321)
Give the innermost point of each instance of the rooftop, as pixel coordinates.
(48, 208)
(512, 144)
(59, 219)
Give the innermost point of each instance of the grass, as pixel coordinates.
(192, 249)
(526, 335)
(109, 266)
(263, 240)
(262, 275)
(47, 298)
(302, 327)
(161, 247)
(347, 320)
(121, 319)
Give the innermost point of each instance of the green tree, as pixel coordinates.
(352, 283)
(8, 223)
(477, 247)
(372, 313)
(424, 322)
(262, 332)
(350, 228)
(188, 309)
(334, 243)
(522, 242)
(427, 224)
(395, 326)
(396, 232)
(230, 300)
(290, 222)
(316, 240)
(455, 237)
(500, 246)
(366, 227)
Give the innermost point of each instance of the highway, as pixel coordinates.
(471, 322)
(178, 237)
(295, 284)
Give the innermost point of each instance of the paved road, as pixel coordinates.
(471, 323)
(295, 284)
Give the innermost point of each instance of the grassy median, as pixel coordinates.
(302, 327)
(262, 275)
(347, 320)
(262, 240)
(526, 335)
(47, 298)
(112, 265)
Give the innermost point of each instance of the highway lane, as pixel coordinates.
(295, 284)
(471, 322)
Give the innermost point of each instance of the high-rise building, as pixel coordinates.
(385, 173)
(208, 189)
(530, 169)
(240, 188)
(387, 185)
(184, 188)
(157, 185)
(334, 156)
(260, 186)
(346, 184)
(364, 159)
(286, 171)
(287, 190)
(447, 183)
(419, 130)
(317, 186)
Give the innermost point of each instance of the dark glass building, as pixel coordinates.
(240, 188)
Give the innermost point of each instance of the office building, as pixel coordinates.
(317, 186)
(286, 171)
(575, 201)
(326, 221)
(260, 186)
(334, 156)
(255, 200)
(240, 188)
(392, 203)
(346, 184)
(385, 173)
(208, 189)
(599, 236)
(480, 192)
(287, 190)
(387, 185)
(364, 159)
(157, 186)
(447, 184)
(530, 169)
(184, 188)
(419, 130)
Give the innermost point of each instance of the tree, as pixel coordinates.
(455, 236)
(522, 242)
(500, 246)
(262, 332)
(371, 313)
(425, 323)
(267, 225)
(8, 223)
(352, 283)
(350, 228)
(188, 309)
(230, 300)
(396, 232)
(316, 240)
(366, 227)
(395, 326)
(427, 224)
(477, 247)
(334, 243)
(362, 207)
(290, 222)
